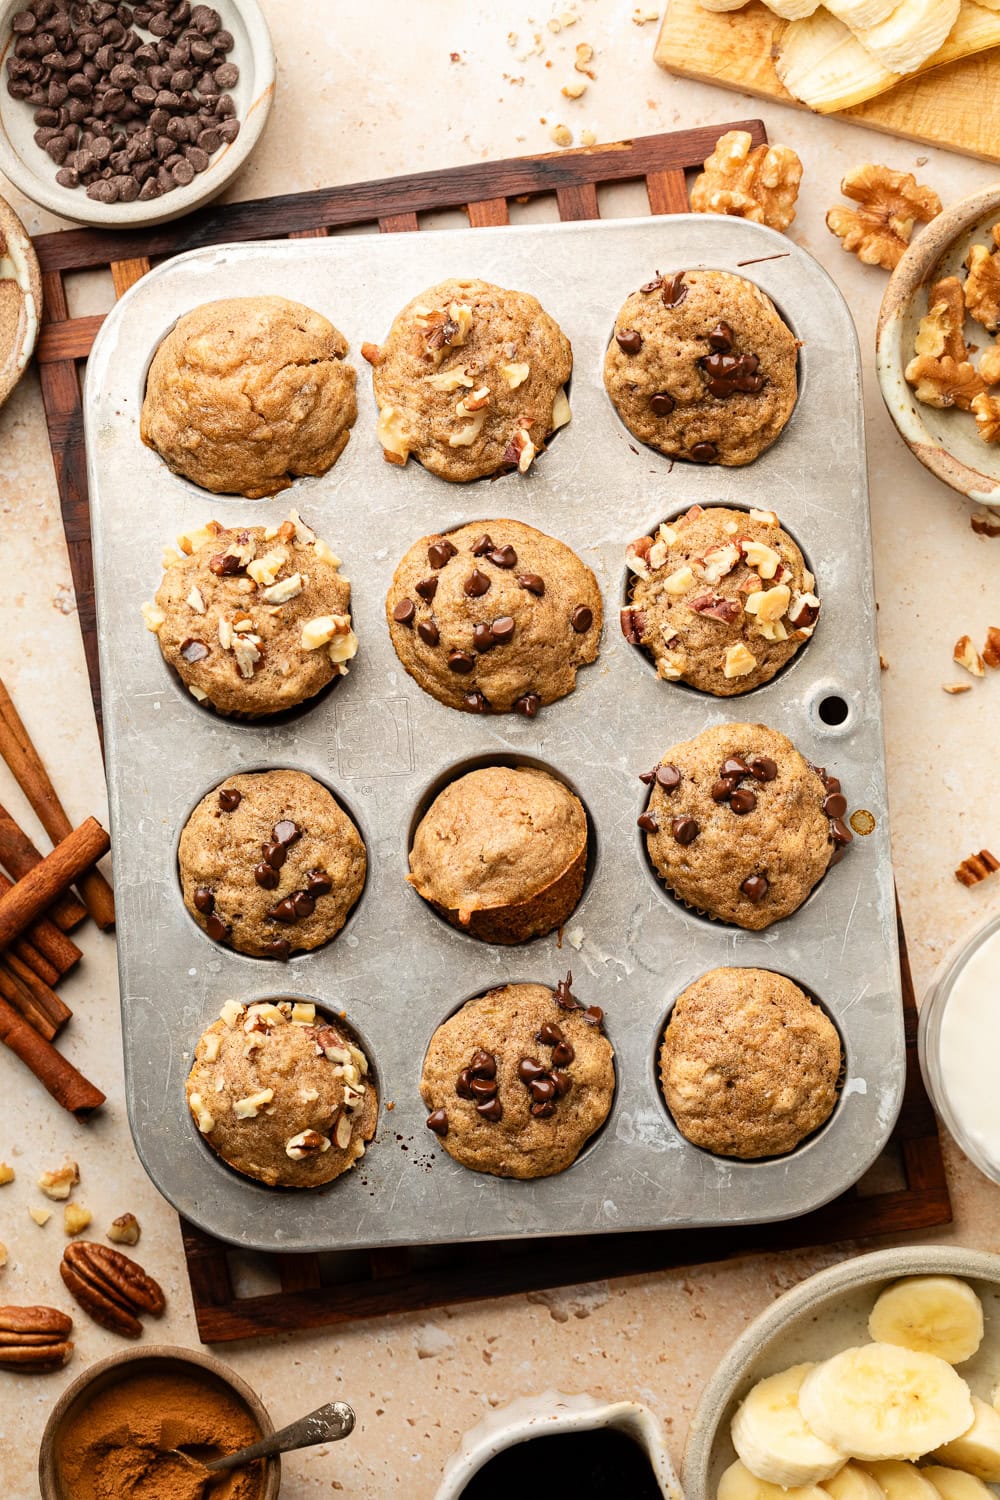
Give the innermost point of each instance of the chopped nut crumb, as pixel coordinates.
(584, 56)
(562, 135)
(966, 655)
(644, 13)
(3, 1255)
(991, 650)
(976, 868)
(738, 661)
(7, 1174)
(883, 665)
(76, 1218)
(574, 90)
(954, 688)
(587, 138)
(60, 1184)
(41, 1216)
(985, 523)
(125, 1230)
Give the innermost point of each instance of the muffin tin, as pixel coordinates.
(380, 744)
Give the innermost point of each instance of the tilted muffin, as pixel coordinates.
(740, 826)
(282, 1094)
(721, 599)
(749, 1065)
(494, 616)
(502, 853)
(518, 1080)
(253, 620)
(702, 367)
(245, 394)
(470, 380)
(270, 864)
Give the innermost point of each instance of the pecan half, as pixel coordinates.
(109, 1286)
(633, 622)
(34, 1339)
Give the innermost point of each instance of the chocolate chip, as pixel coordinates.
(527, 705)
(193, 650)
(404, 612)
(721, 337)
(483, 1064)
(549, 1033)
(204, 900)
(830, 782)
(685, 830)
(722, 790)
(463, 1084)
(835, 805)
(532, 583)
(542, 1090)
(503, 630)
(278, 948)
(561, 1082)
(629, 340)
(490, 1109)
(437, 1121)
(563, 993)
(840, 831)
(483, 1088)
(286, 832)
(482, 545)
(230, 799)
(544, 1110)
(755, 888)
(734, 767)
(218, 930)
(704, 453)
(581, 619)
(428, 632)
(762, 768)
(438, 553)
(476, 703)
(426, 588)
(284, 911)
(318, 883)
(303, 904)
(648, 823)
(266, 875)
(482, 638)
(743, 800)
(476, 584)
(563, 1054)
(668, 777)
(461, 661)
(529, 1069)
(654, 285)
(274, 855)
(593, 1015)
(503, 557)
(728, 373)
(662, 404)
(674, 290)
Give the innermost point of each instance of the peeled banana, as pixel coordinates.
(977, 1449)
(879, 1401)
(931, 1314)
(910, 34)
(774, 1442)
(856, 13)
(737, 1483)
(952, 1484)
(853, 1482)
(899, 1480)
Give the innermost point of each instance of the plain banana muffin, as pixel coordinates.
(282, 1094)
(502, 853)
(470, 380)
(740, 826)
(518, 1080)
(701, 366)
(253, 620)
(749, 1065)
(245, 394)
(720, 599)
(494, 617)
(270, 864)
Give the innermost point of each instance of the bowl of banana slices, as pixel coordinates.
(874, 1380)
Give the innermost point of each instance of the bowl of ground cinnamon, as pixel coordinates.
(146, 1423)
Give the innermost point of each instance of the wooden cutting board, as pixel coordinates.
(957, 106)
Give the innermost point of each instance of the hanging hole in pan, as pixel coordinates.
(833, 708)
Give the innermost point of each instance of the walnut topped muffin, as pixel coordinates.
(494, 617)
(470, 380)
(282, 1094)
(740, 826)
(253, 620)
(719, 598)
(247, 393)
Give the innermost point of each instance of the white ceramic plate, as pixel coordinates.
(816, 1319)
(28, 166)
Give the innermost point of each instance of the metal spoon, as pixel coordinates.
(327, 1424)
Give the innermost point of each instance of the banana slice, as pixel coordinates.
(855, 13)
(911, 34)
(932, 1314)
(901, 1481)
(879, 1401)
(795, 10)
(737, 1483)
(952, 1484)
(853, 1483)
(977, 1450)
(729, 4)
(772, 1439)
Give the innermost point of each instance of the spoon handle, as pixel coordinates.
(325, 1425)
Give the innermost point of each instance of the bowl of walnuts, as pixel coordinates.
(938, 347)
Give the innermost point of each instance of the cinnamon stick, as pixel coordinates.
(64, 1082)
(43, 996)
(18, 855)
(33, 779)
(17, 996)
(27, 900)
(36, 963)
(58, 950)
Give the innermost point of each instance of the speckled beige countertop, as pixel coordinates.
(400, 87)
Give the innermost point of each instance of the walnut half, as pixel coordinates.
(890, 203)
(761, 184)
(982, 288)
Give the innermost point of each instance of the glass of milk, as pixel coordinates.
(959, 1043)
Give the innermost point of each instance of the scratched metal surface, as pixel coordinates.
(378, 742)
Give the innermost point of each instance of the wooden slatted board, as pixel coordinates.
(311, 1290)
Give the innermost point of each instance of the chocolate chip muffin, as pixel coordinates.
(270, 864)
(282, 1094)
(518, 1080)
(245, 394)
(494, 617)
(253, 620)
(470, 380)
(749, 1064)
(501, 853)
(720, 599)
(702, 367)
(740, 826)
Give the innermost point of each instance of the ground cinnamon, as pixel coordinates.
(120, 1440)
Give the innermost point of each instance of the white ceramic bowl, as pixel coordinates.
(18, 263)
(816, 1319)
(944, 440)
(28, 166)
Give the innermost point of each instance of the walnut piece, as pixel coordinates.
(761, 184)
(152, 617)
(991, 650)
(125, 1230)
(878, 231)
(945, 382)
(7, 1174)
(41, 1216)
(372, 353)
(977, 867)
(941, 331)
(989, 365)
(738, 661)
(986, 410)
(60, 1184)
(76, 1218)
(968, 657)
(982, 286)
(954, 688)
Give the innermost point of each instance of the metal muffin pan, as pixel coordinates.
(379, 743)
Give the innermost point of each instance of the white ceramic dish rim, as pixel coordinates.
(23, 261)
(555, 1412)
(798, 1303)
(906, 282)
(72, 203)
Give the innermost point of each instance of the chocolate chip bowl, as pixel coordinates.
(184, 95)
